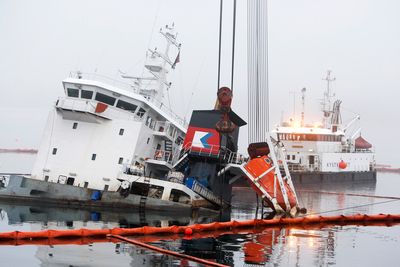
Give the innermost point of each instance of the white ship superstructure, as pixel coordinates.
(327, 147)
(102, 128)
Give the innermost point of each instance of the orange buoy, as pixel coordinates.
(188, 231)
(342, 165)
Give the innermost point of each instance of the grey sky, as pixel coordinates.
(42, 41)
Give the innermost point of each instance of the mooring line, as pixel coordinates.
(347, 194)
(167, 252)
(348, 208)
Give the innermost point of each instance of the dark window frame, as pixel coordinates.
(70, 181)
(72, 92)
(141, 112)
(109, 100)
(126, 106)
(86, 94)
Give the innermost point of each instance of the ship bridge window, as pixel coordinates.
(143, 189)
(126, 106)
(72, 92)
(86, 94)
(105, 99)
(179, 196)
(141, 112)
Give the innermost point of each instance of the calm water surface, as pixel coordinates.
(335, 246)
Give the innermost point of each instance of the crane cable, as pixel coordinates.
(219, 42)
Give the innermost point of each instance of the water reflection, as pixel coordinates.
(335, 246)
(73, 218)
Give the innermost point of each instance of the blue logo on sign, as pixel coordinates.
(204, 140)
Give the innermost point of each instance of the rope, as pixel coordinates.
(167, 252)
(349, 208)
(347, 194)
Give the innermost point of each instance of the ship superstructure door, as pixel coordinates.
(311, 160)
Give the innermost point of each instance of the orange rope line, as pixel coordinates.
(168, 252)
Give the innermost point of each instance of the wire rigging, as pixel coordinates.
(219, 43)
(349, 208)
(233, 43)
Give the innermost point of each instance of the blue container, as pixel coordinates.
(96, 195)
(189, 182)
(95, 216)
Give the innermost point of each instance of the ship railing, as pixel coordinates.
(131, 88)
(163, 155)
(214, 151)
(103, 79)
(167, 110)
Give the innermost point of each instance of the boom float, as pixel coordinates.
(306, 221)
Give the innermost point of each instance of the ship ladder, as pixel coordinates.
(143, 200)
(182, 162)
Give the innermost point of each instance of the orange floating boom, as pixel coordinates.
(306, 221)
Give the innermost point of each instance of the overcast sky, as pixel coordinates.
(359, 40)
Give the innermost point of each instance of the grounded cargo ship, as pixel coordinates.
(112, 144)
(118, 146)
(330, 151)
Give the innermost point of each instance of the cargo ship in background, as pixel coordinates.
(330, 151)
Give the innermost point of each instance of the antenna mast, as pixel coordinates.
(303, 102)
(158, 65)
(328, 95)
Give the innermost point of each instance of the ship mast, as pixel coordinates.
(157, 65)
(303, 103)
(328, 95)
